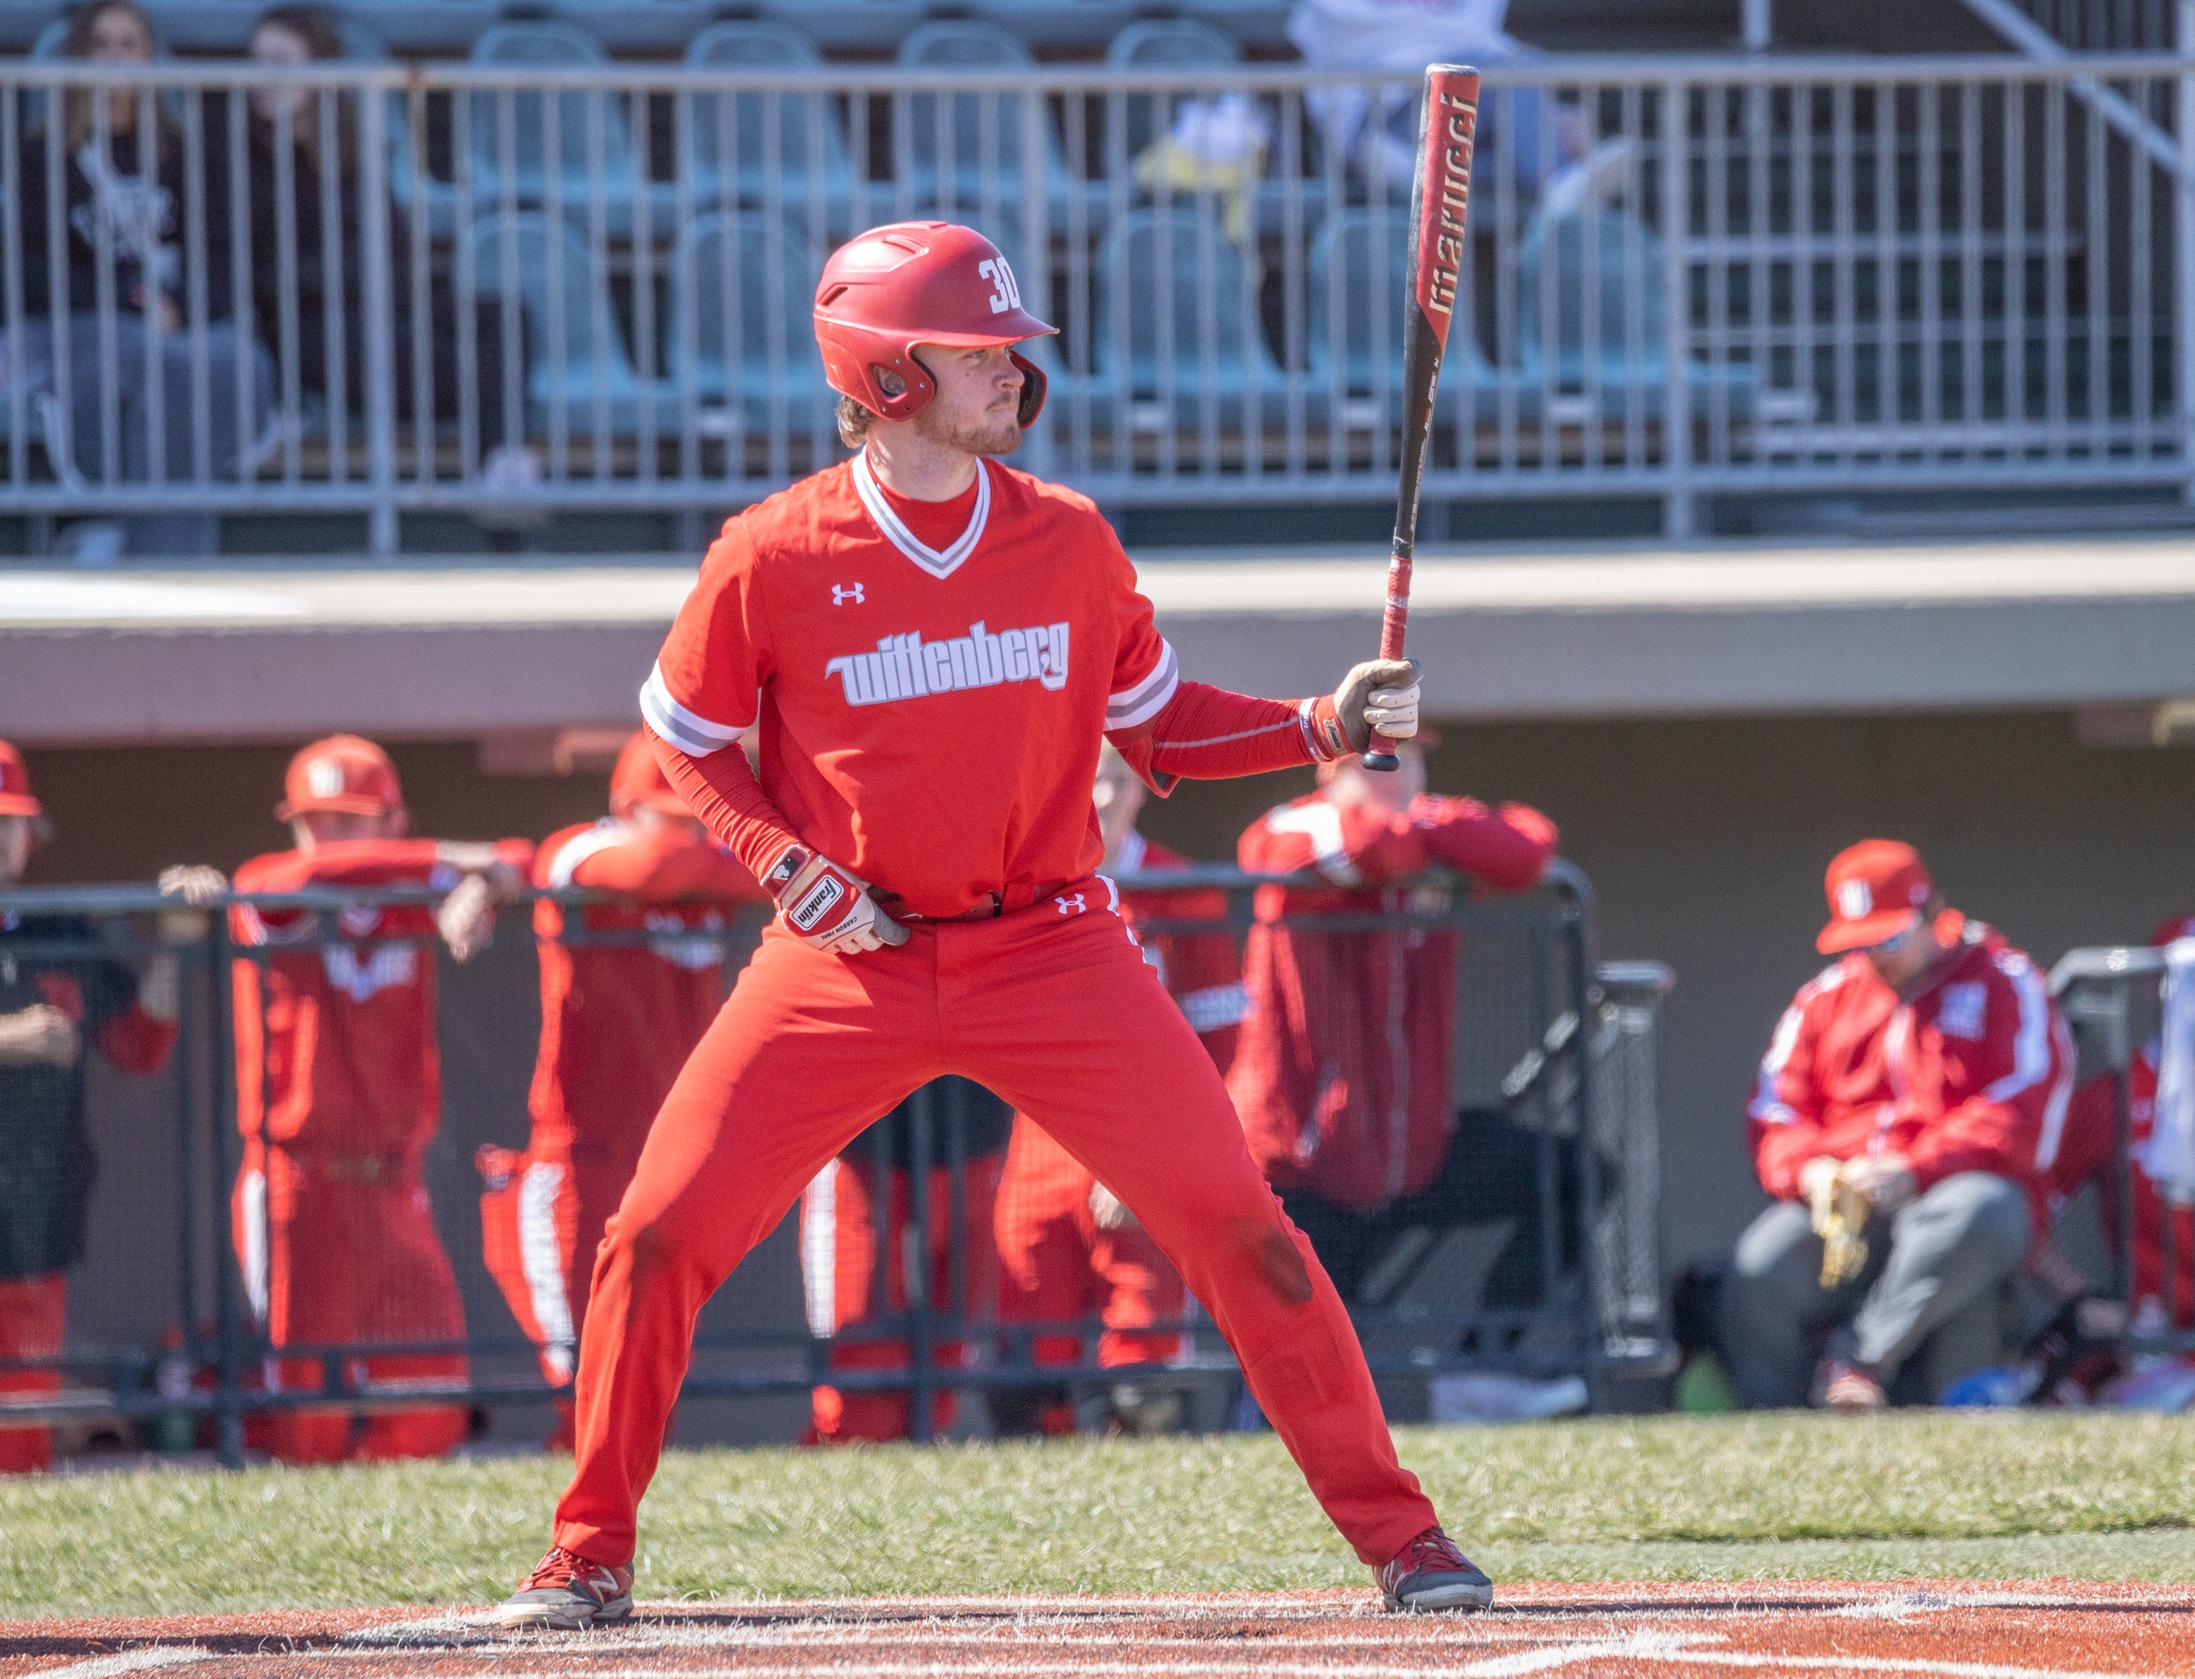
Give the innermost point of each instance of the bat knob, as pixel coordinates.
(1380, 761)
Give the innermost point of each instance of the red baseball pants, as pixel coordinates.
(330, 1260)
(839, 1219)
(1055, 1010)
(1059, 1266)
(33, 1324)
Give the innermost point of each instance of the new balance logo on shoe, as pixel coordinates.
(905, 667)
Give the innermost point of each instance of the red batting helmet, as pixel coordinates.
(908, 283)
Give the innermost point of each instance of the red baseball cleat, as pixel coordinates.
(567, 1593)
(1430, 1573)
(1848, 1388)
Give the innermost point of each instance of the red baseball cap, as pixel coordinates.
(341, 773)
(638, 780)
(1876, 891)
(15, 793)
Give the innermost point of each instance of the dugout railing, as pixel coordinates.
(1553, 1081)
(2111, 996)
(1689, 277)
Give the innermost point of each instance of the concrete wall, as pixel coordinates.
(1706, 840)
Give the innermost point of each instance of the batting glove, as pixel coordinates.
(829, 908)
(1379, 694)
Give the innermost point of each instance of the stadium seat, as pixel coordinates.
(1622, 373)
(741, 331)
(1354, 322)
(766, 148)
(1165, 44)
(964, 155)
(582, 382)
(532, 150)
(1176, 330)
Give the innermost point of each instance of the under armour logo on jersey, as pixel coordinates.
(841, 593)
(905, 667)
(1070, 903)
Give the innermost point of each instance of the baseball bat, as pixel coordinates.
(1440, 199)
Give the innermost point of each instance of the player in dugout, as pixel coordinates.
(858, 1235)
(915, 619)
(339, 1092)
(627, 989)
(1342, 1077)
(55, 1009)
(1068, 1248)
(1907, 1116)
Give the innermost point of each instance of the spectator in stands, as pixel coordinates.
(627, 989)
(1399, 38)
(859, 1212)
(123, 203)
(1067, 1248)
(338, 1094)
(286, 170)
(54, 1010)
(1908, 1111)
(1342, 1076)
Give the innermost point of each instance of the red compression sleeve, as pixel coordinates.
(722, 790)
(1210, 734)
(664, 865)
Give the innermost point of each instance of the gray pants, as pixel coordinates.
(106, 423)
(1938, 1269)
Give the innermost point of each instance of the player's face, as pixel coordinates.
(1388, 790)
(1900, 961)
(314, 828)
(14, 848)
(1118, 796)
(978, 399)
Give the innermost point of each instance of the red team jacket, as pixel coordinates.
(335, 1046)
(1342, 1075)
(618, 1020)
(1971, 1074)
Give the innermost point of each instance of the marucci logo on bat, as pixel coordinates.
(905, 667)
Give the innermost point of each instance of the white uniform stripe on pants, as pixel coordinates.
(541, 1258)
(819, 1251)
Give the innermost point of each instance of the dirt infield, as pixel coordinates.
(1958, 1630)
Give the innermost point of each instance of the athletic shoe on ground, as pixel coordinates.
(567, 1593)
(1846, 1387)
(1430, 1573)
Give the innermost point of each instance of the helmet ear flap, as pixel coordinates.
(1033, 385)
(918, 389)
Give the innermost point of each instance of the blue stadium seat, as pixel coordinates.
(1618, 369)
(1165, 44)
(1354, 320)
(535, 148)
(582, 380)
(965, 156)
(765, 148)
(1175, 334)
(741, 334)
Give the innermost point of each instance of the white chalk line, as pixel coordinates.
(128, 1661)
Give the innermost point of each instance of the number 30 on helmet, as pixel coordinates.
(908, 283)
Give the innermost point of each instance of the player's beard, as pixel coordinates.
(997, 433)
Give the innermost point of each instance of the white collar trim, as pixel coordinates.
(937, 562)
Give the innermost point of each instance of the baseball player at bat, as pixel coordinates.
(919, 618)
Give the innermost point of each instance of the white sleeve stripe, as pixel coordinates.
(2061, 1097)
(2031, 1047)
(1215, 1006)
(689, 731)
(1320, 823)
(1224, 740)
(600, 838)
(1768, 1107)
(1141, 701)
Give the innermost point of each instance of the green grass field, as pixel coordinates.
(1974, 1495)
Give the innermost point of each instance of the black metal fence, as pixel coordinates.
(1536, 1253)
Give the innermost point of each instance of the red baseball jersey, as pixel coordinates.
(1202, 970)
(1973, 1072)
(1011, 651)
(335, 1047)
(619, 1019)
